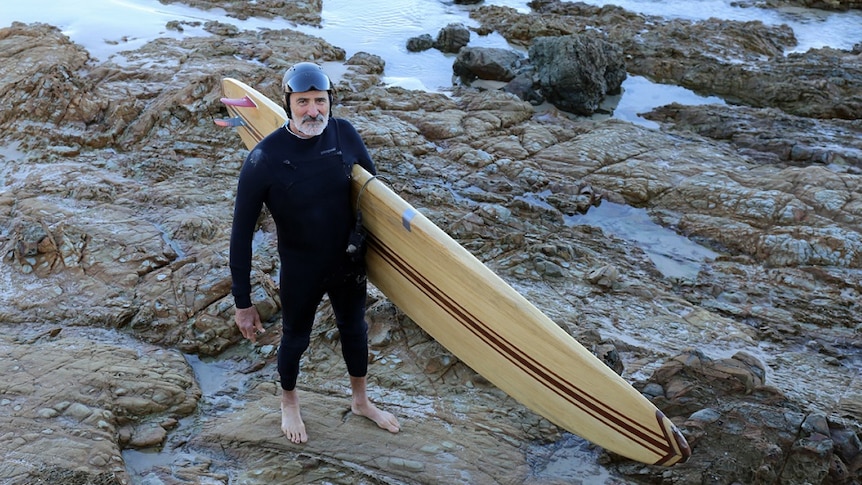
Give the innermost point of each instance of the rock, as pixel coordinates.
(796, 141)
(576, 72)
(486, 63)
(452, 38)
(306, 12)
(420, 43)
(840, 5)
(522, 86)
(88, 367)
(147, 436)
(606, 276)
(790, 446)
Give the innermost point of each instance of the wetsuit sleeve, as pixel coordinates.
(354, 148)
(251, 192)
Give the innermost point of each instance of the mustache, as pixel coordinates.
(319, 118)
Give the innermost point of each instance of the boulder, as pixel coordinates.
(576, 72)
(487, 63)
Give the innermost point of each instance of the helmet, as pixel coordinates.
(305, 76)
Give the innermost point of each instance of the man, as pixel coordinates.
(301, 172)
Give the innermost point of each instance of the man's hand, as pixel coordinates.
(248, 322)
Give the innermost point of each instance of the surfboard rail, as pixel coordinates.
(482, 320)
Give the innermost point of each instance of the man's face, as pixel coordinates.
(309, 112)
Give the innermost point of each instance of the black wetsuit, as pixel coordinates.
(305, 184)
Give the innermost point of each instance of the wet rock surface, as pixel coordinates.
(743, 62)
(840, 5)
(114, 226)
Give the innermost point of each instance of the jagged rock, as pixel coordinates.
(486, 63)
(576, 72)
(452, 38)
(420, 43)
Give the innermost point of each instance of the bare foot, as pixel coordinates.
(291, 420)
(383, 419)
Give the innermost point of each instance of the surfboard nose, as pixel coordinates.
(678, 449)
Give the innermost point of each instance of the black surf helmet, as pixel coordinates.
(302, 77)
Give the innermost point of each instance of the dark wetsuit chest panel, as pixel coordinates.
(309, 201)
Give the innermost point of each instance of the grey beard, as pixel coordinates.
(312, 129)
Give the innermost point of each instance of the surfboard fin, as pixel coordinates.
(230, 122)
(243, 102)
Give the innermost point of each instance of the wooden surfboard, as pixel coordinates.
(481, 319)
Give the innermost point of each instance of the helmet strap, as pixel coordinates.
(286, 102)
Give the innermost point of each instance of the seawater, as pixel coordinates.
(674, 255)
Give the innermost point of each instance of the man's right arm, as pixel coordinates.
(251, 189)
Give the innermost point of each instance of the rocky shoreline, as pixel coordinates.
(116, 213)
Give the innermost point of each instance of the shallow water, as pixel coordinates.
(675, 256)
(571, 459)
